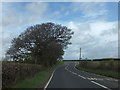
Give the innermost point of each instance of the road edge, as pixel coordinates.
(49, 80)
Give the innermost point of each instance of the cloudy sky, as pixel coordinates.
(95, 25)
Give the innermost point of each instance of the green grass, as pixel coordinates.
(39, 80)
(113, 74)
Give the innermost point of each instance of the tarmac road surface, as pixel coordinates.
(67, 76)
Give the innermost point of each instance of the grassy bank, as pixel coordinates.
(39, 80)
(105, 68)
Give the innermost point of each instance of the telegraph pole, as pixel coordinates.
(80, 55)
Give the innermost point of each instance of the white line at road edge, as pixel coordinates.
(75, 67)
(49, 80)
(100, 85)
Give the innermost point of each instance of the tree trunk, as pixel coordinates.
(35, 59)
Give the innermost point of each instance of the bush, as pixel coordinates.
(106, 65)
(14, 72)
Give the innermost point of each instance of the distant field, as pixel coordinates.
(104, 59)
(70, 60)
(108, 68)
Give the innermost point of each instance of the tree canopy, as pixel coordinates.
(42, 44)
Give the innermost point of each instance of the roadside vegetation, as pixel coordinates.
(34, 53)
(40, 79)
(108, 68)
(15, 72)
(17, 75)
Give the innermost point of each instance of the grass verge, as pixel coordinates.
(39, 80)
(107, 73)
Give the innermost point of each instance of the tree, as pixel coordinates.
(45, 43)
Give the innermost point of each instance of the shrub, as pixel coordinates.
(14, 72)
(106, 65)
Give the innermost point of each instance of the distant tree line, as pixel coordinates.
(40, 44)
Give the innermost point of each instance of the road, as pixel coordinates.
(67, 76)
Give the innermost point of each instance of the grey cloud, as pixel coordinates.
(103, 50)
(93, 46)
(72, 52)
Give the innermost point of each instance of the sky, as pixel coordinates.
(95, 25)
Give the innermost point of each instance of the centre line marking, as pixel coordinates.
(81, 76)
(100, 85)
(74, 73)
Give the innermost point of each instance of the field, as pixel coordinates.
(108, 68)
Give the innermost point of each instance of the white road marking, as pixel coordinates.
(66, 67)
(93, 74)
(92, 78)
(95, 79)
(89, 78)
(100, 85)
(81, 76)
(69, 71)
(102, 77)
(75, 68)
(49, 80)
(74, 73)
